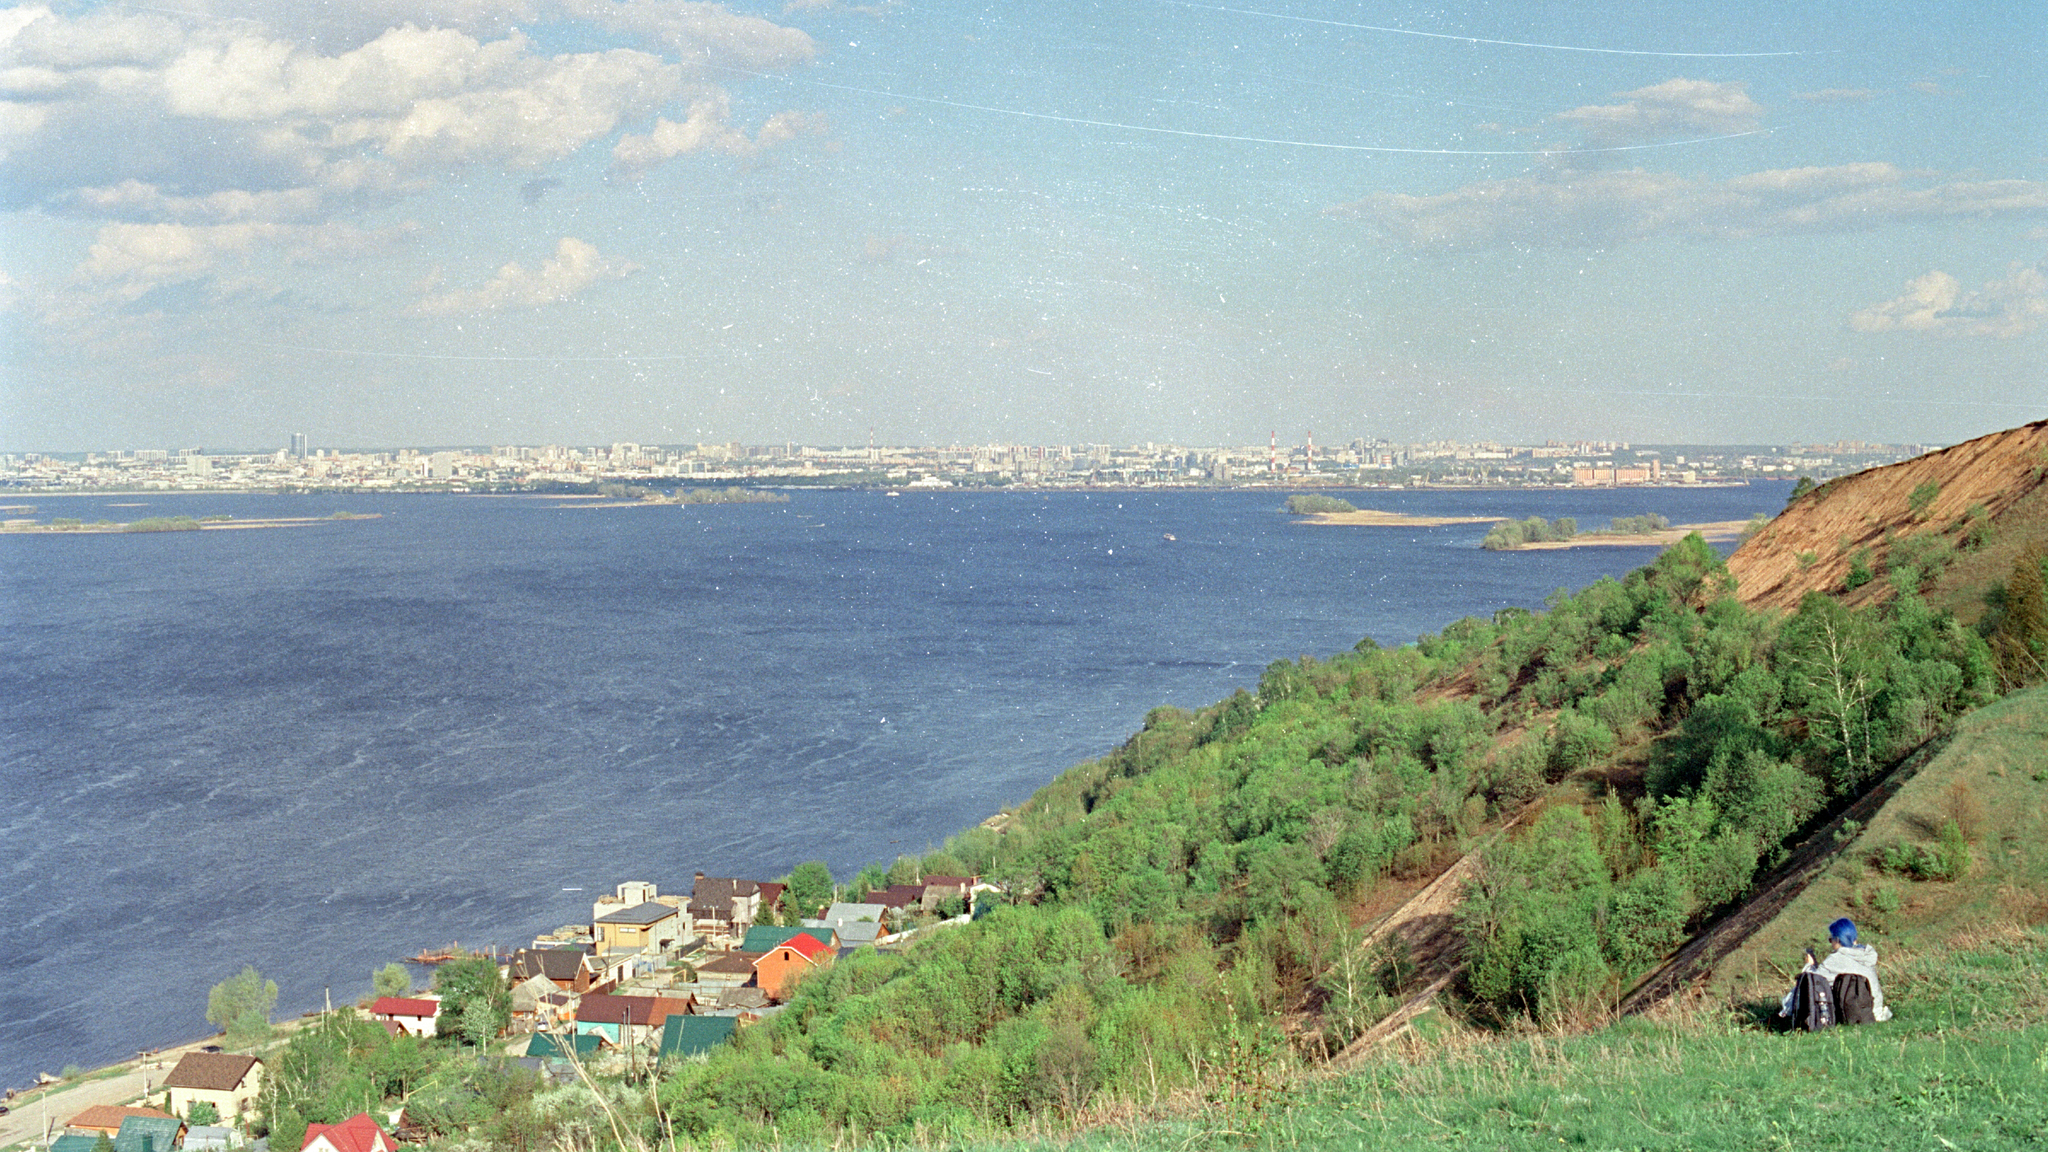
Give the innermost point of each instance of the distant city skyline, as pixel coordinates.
(573, 221)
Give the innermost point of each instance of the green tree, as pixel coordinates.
(202, 1112)
(1801, 488)
(391, 980)
(810, 889)
(472, 980)
(1922, 498)
(287, 1129)
(241, 1005)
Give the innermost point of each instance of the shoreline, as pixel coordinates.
(121, 529)
(1716, 531)
(1374, 518)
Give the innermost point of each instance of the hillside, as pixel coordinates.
(1814, 544)
(1523, 815)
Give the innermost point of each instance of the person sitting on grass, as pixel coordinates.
(1858, 999)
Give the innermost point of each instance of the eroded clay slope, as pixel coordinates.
(1810, 546)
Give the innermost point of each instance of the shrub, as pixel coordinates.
(1859, 570)
(1639, 525)
(1315, 503)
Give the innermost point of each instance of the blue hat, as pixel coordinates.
(1843, 932)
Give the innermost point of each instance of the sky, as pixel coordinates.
(468, 222)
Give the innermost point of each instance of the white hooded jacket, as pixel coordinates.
(1846, 960)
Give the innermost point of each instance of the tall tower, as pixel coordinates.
(298, 449)
(1273, 451)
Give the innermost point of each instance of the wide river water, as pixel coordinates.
(317, 749)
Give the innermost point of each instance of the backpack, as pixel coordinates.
(1813, 1002)
(1853, 1003)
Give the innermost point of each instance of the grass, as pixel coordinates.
(1963, 1064)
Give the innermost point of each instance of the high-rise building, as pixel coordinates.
(298, 449)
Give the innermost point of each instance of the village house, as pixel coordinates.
(898, 898)
(730, 970)
(223, 1079)
(855, 924)
(628, 1020)
(105, 1119)
(778, 969)
(358, 1133)
(939, 889)
(685, 1037)
(645, 928)
(722, 909)
(407, 1015)
(570, 968)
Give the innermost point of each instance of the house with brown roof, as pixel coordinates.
(897, 897)
(571, 969)
(937, 889)
(628, 1020)
(225, 1080)
(105, 1119)
(721, 909)
(730, 970)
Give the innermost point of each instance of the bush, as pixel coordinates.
(1509, 534)
(1641, 525)
(1315, 503)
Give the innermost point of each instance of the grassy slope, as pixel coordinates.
(1964, 1062)
(1996, 773)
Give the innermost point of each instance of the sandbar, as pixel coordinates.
(1373, 518)
(1716, 530)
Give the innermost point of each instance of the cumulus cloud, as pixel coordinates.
(576, 265)
(1606, 208)
(2013, 305)
(701, 32)
(1675, 108)
(126, 261)
(708, 128)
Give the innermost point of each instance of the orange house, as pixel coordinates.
(778, 969)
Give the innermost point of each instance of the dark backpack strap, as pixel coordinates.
(1853, 1001)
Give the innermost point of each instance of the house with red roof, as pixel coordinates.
(779, 968)
(358, 1133)
(413, 1016)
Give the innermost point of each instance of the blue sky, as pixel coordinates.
(576, 221)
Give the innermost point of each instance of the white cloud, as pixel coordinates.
(126, 261)
(135, 200)
(701, 32)
(575, 266)
(708, 128)
(1936, 303)
(1672, 109)
(1605, 208)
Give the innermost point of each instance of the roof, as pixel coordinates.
(650, 1010)
(206, 1137)
(210, 1071)
(694, 1035)
(74, 1142)
(109, 1116)
(648, 913)
(405, 1006)
(549, 1046)
(805, 945)
(771, 893)
(729, 964)
(760, 938)
(148, 1134)
(847, 913)
(961, 882)
(358, 1133)
(897, 895)
(709, 888)
(553, 963)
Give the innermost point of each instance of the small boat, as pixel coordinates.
(1169, 536)
(893, 492)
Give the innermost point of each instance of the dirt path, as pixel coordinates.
(1707, 949)
(1427, 924)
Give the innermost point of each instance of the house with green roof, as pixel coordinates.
(688, 1036)
(148, 1134)
(551, 1047)
(762, 938)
